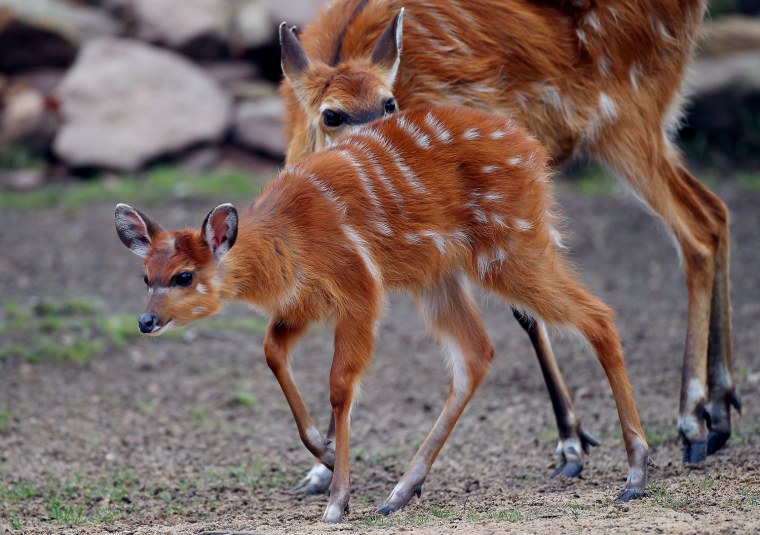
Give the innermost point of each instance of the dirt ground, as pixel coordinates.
(191, 433)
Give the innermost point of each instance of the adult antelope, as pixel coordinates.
(598, 78)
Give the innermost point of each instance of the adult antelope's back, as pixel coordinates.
(600, 78)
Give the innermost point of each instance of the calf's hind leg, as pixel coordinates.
(451, 312)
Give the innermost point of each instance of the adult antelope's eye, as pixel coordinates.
(183, 279)
(332, 118)
(390, 105)
(145, 279)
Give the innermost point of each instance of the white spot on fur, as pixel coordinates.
(634, 77)
(592, 21)
(412, 238)
(363, 251)
(607, 106)
(515, 161)
(201, 288)
(471, 133)
(490, 168)
(440, 131)
(409, 175)
(438, 240)
(556, 237)
(483, 264)
(498, 134)
(421, 139)
(328, 194)
(197, 311)
(523, 225)
(380, 223)
(604, 65)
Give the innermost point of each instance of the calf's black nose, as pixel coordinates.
(147, 322)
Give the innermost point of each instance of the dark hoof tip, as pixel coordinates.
(587, 439)
(385, 510)
(695, 452)
(629, 494)
(736, 401)
(716, 440)
(418, 491)
(568, 469)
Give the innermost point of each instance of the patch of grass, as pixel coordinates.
(159, 185)
(244, 399)
(14, 157)
(255, 475)
(593, 181)
(656, 436)
(65, 514)
(502, 515)
(659, 495)
(5, 419)
(750, 182)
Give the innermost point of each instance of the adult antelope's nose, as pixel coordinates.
(147, 323)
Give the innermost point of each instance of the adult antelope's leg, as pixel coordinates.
(574, 441)
(558, 298)
(354, 339)
(279, 339)
(318, 479)
(720, 379)
(452, 313)
(699, 222)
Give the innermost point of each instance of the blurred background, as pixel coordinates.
(92, 88)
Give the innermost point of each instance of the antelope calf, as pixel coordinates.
(600, 79)
(429, 200)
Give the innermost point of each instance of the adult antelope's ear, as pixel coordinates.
(293, 58)
(387, 51)
(220, 230)
(135, 229)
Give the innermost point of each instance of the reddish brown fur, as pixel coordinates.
(425, 201)
(600, 78)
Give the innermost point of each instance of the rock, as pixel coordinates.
(198, 28)
(46, 32)
(723, 113)
(26, 118)
(258, 125)
(125, 103)
(730, 35)
(251, 24)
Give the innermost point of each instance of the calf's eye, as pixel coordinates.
(390, 105)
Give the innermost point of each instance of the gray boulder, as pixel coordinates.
(125, 103)
(258, 125)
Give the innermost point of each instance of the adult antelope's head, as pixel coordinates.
(337, 99)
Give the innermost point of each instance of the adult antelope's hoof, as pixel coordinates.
(317, 481)
(568, 469)
(398, 499)
(719, 420)
(629, 494)
(694, 452)
(572, 451)
(716, 440)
